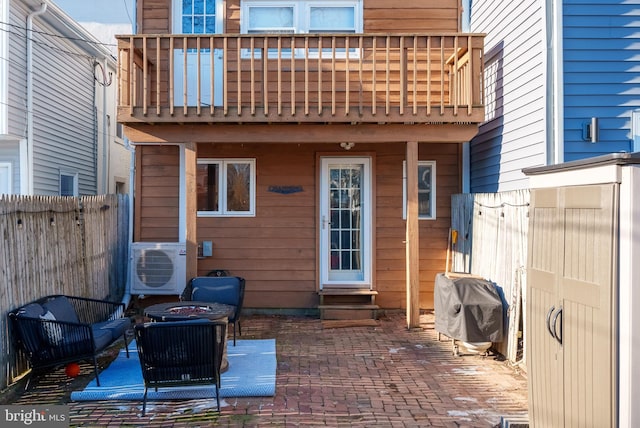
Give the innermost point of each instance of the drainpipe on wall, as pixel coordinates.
(132, 170)
(106, 141)
(103, 179)
(555, 83)
(29, 175)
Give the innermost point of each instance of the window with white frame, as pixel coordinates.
(5, 178)
(426, 190)
(195, 16)
(226, 187)
(307, 16)
(68, 183)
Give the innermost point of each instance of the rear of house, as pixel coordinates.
(308, 146)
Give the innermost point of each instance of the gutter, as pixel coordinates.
(30, 17)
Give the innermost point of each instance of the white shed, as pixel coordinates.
(583, 334)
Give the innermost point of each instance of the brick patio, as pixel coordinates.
(385, 376)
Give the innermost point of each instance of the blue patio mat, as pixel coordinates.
(251, 373)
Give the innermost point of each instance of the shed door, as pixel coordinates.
(197, 17)
(572, 269)
(345, 222)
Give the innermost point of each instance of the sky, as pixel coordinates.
(102, 18)
(102, 11)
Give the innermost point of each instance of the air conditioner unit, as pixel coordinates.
(158, 267)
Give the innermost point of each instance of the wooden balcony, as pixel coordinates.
(327, 78)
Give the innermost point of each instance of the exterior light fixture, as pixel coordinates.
(347, 146)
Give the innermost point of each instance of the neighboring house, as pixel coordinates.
(279, 140)
(58, 130)
(552, 69)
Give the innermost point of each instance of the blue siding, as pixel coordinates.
(601, 74)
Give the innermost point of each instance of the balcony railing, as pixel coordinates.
(418, 78)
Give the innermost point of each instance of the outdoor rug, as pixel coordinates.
(251, 373)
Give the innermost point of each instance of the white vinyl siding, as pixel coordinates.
(64, 123)
(514, 133)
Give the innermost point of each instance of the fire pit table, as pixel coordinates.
(188, 310)
(181, 311)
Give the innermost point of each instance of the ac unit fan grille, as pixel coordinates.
(154, 268)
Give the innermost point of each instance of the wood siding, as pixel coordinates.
(276, 250)
(513, 135)
(600, 41)
(410, 64)
(380, 16)
(157, 193)
(421, 78)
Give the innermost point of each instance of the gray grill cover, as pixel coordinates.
(468, 309)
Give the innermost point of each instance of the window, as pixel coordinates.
(426, 190)
(5, 178)
(310, 16)
(196, 16)
(226, 187)
(68, 183)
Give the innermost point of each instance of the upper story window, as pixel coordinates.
(226, 187)
(302, 17)
(196, 16)
(310, 16)
(426, 190)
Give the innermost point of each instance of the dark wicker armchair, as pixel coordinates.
(180, 353)
(56, 330)
(228, 290)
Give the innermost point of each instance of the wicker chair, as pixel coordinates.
(228, 290)
(180, 353)
(56, 330)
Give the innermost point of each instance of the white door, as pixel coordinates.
(197, 17)
(345, 222)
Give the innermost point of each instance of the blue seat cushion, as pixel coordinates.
(32, 310)
(116, 327)
(61, 309)
(102, 337)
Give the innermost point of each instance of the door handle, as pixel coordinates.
(549, 329)
(557, 316)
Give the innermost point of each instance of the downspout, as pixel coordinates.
(554, 83)
(132, 173)
(106, 143)
(103, 178)
(132, 176)
(29, 25)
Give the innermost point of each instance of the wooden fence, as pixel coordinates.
(492, 230)
(59, 245)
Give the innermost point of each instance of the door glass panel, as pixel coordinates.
(345, 204)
